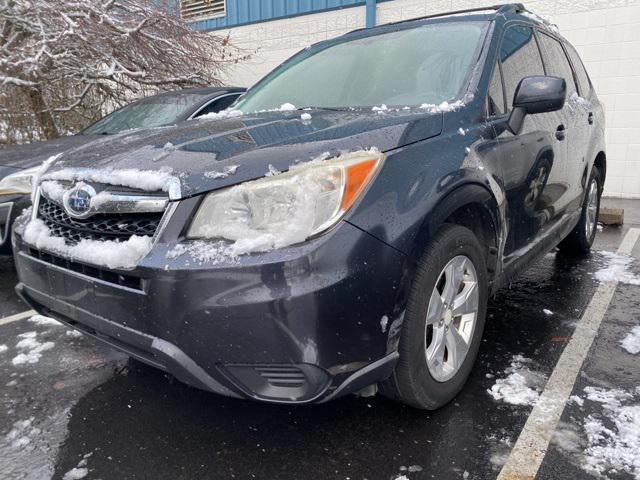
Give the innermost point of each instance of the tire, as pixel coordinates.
(416, 381)
(578, 242)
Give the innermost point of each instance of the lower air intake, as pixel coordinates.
(283, 383)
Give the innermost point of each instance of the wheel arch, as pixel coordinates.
(472, 206)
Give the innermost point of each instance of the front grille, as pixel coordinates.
(124, 280)
(117, 227)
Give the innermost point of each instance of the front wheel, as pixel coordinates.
(443, 323)
(579, 241)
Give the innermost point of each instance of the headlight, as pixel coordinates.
(288, 208)
(19, 182)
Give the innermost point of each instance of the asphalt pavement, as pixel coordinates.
(71, 408)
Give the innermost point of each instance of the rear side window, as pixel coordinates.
(520, 58)
(218, 105)
(584, 84)
(495, 100)
(557, 62)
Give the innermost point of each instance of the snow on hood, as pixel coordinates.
(244, 145)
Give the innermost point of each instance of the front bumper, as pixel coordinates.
(296, 325)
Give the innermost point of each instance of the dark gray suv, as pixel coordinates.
(346, 234)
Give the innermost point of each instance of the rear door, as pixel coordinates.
(574, 113)
(534, 161)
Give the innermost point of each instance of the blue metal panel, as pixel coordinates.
(243, 12)
(371, 13)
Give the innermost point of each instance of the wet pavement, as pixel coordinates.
(82, 409)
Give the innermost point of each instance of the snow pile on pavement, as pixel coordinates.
(31, 349)
(617, 269)
(148, 180)
(305, 117)
(226, 171)
(613, 436)
(521, 386)
(107, 253)
(287, 107)
(42, 320)
(3, 348)
(631, 343)
(80, 471)
(18, 436)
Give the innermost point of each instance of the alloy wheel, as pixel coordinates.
(592, 209)
(451, 318)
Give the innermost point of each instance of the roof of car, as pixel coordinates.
(514, 9)
(201, 91)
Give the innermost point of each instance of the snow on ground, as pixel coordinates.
(18, 436)
(305, 116)
(631, 343)
(546, 311)
(617, 268)
(287, 107)
(3, 348)
(226, 171)
(80, 471)
(31, 349)
(613, 434)
(521, 385)
(42, 320)
(108, 253)
(148, 180)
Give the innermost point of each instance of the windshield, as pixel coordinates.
(150, 112)
(428, 64)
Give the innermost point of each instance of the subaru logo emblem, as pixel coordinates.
(77, 201)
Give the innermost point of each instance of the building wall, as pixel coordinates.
(606, 33)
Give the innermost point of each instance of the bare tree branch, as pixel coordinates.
(63, 61)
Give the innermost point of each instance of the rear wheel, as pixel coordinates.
(443, 323)
(579, 241)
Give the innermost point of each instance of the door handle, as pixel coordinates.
(590, 118)
(561, 133)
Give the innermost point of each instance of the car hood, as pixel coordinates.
(32, 154)
(196, 150)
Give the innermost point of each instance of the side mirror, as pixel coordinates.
(538, 94)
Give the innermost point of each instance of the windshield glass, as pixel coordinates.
(428, 64)
(150, 112)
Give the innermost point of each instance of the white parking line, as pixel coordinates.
(532, 444)
(17, 316)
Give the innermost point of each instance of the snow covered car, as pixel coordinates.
(348, 233)
(19, 164)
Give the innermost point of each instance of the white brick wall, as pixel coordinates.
(606, 33)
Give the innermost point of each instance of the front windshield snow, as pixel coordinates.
(410, 67)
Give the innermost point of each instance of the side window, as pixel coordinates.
(520, 58)
(557, 62)
(495, 99)
(218, 105)
(583, 78)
